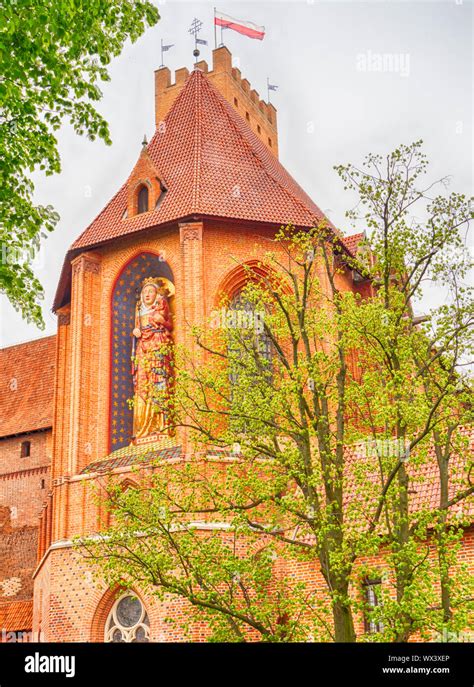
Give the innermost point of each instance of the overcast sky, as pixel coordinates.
(330, 110)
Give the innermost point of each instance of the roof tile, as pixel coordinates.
(27, 384)
(213, 165)
(352, 242)
(16, 615)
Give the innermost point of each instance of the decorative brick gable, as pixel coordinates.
(144, 174)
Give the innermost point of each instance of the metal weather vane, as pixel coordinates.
(270, 87)
(196, 26)
(165, 48)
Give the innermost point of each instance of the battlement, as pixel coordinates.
(259, 115)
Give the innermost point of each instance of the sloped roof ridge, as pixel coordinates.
(255, 147)
(28, 341)
(106, 206)
(197, 147)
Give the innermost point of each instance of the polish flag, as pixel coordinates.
(247, 28)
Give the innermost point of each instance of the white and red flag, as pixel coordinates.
(247, 28)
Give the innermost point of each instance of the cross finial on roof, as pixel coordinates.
(196, 26)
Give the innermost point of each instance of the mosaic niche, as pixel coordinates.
(142, 359)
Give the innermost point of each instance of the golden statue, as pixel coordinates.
(152, 358)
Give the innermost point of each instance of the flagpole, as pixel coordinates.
(162, 53)
(215, 30)
(268, 90)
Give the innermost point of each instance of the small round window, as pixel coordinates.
(127, 621)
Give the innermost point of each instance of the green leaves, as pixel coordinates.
(317, 464)
(52, 55)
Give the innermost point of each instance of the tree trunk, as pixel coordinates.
(343, 622)
(403, 571)
(444, 572)
(338, 585)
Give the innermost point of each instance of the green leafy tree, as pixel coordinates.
(424, 400)
(164, 539)
(314, 411)
(53, 55)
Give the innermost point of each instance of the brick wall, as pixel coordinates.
(10, 452)
(69, 604)
(73, 604)
(202, 257)
(260, 116)
(17, 562)
(24, 482)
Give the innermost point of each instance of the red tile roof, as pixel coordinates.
(213, 165)
(352, 242)
(120, 459)
(364, 485)
(27, 384)
(16, 615)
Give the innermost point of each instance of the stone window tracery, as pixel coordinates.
(127, 621)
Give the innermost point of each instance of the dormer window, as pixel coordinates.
(142, 204)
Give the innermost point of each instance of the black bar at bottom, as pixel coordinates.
(252, 664)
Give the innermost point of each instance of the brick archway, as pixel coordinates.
(101, 614)
(103, 609)
(239, 276)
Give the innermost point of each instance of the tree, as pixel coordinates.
(411, 253)
(311, 422)
(53, 54)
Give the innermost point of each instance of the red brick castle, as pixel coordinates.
(207, 187)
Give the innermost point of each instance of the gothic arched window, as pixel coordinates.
(250, 323)
(142, 204)
(127, 621)
(250, 355)
(254, 321)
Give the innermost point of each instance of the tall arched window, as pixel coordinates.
(127, 621)
(143, 199)
(250, 357)
(256, 319)
(250, 322)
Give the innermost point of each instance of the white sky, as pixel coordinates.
(329, 111)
